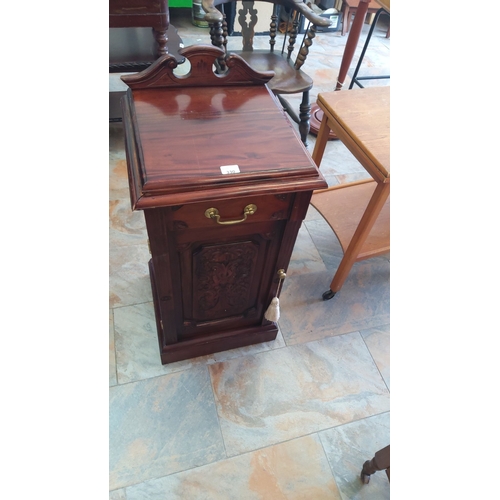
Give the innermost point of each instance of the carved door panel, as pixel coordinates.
(226, 275)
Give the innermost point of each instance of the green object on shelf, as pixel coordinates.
(180, 3)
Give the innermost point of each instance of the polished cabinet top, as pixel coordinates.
(192, 143)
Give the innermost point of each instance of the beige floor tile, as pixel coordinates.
(126, 227)
(294, 470)
(279, 395)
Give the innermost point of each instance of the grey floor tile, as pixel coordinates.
(363, 302)
(312, 214)
(137, 351)
(305, 257)
(279, 395)
(129, 281)
(348, 447)
(112, 356)
(136, 343)
(118, 494)
(162, 425)
(294, 470)
(378, 343)
(326, 243)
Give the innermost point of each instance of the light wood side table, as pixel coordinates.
(358, 212)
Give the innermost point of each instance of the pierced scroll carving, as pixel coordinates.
(202, 58)
(247, 28)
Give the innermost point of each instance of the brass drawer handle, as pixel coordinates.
(213, 213)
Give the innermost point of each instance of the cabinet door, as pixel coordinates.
(226, 274)
(212, 277)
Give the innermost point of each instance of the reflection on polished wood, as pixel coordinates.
(290, 76)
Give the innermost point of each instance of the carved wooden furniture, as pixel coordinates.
(358, 212)
(140, 32)
(289, 77)
(222, 221)
(381, 461)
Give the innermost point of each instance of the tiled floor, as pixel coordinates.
(294, 418)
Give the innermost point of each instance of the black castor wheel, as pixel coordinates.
(328, 295)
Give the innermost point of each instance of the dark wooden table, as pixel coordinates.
(224, 182)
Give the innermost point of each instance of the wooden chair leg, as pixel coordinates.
(162, 40)
(305, 117)
(381, 461)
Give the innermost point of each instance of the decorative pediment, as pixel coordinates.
(202, 59)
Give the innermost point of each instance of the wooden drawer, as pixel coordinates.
(269, 208)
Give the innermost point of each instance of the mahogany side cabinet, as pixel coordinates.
(224, 182)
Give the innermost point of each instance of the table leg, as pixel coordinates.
(350, 48)
(365, 225)
(321, 140)
(352, 41)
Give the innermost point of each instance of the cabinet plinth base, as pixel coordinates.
(217, 342)
(208, 343)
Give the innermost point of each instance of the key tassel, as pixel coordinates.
(273, 311)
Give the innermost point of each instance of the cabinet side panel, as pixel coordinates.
(166, 277)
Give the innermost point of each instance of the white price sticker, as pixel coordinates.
(230, 169)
